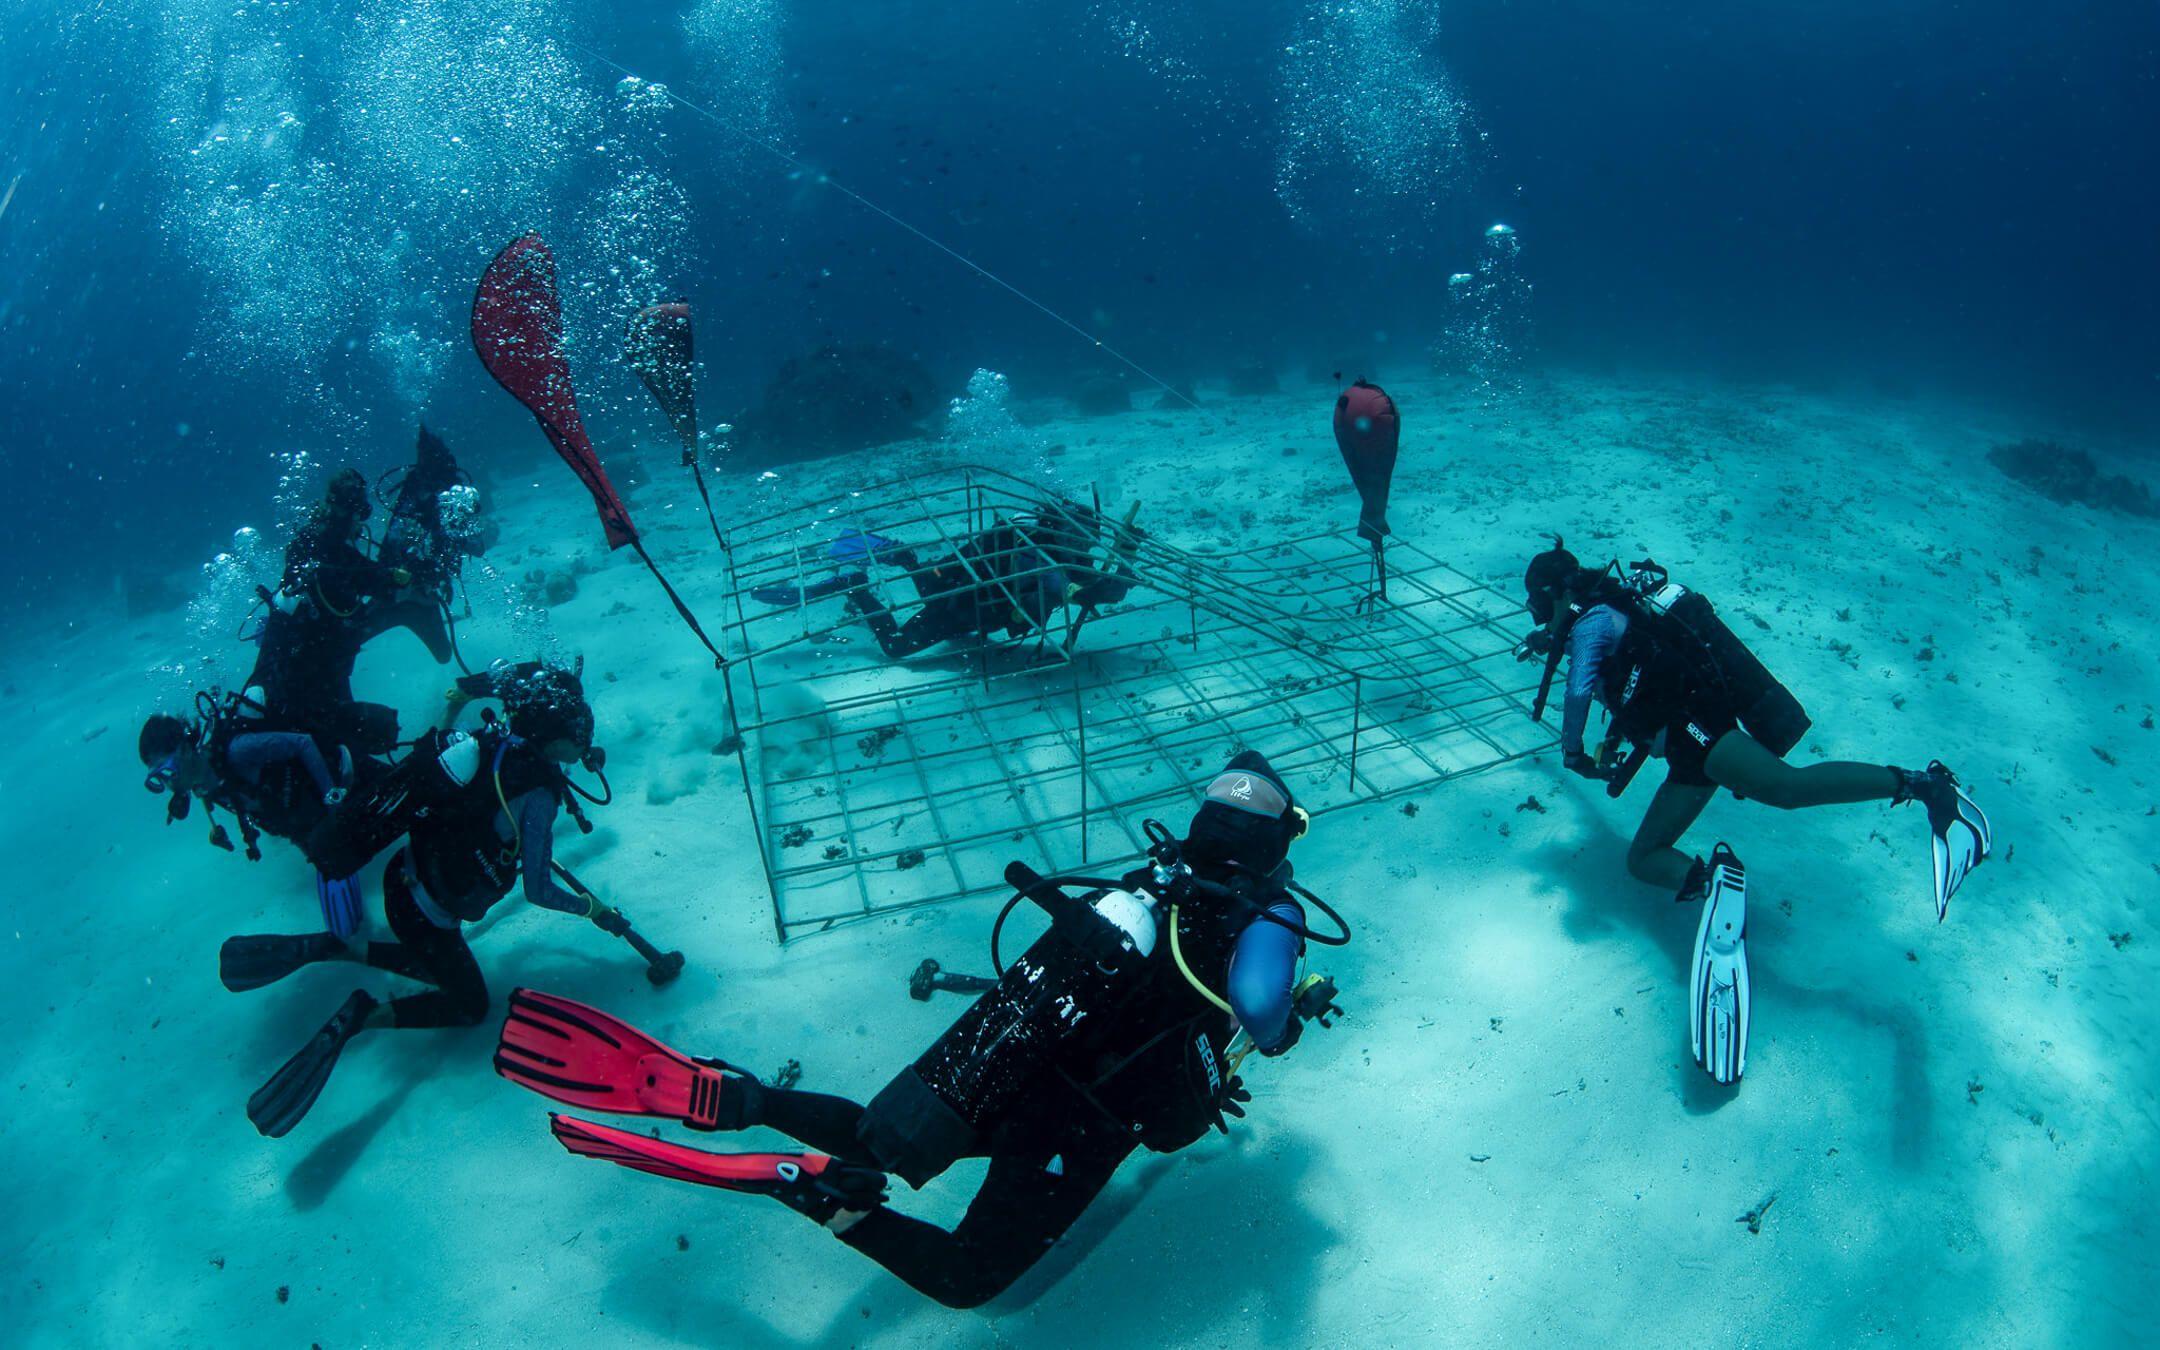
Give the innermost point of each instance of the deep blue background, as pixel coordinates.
(1945, 199)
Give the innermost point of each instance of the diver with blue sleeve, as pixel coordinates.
(276, 782)
(1680, 685)
(1106, 1035)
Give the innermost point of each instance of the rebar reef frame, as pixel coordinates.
(879, 785)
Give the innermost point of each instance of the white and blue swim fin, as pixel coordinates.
(1718, 994)
(1961, 836)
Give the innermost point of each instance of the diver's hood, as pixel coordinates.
(1249, 818)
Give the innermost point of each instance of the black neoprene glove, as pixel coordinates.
(1231, 1102)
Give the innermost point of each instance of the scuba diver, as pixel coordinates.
(475, 811)
(312, 629)
(324, 566)
(1106, 1035)
(436, 522)
(1011, 577)
(1678, 684)
(279, 783)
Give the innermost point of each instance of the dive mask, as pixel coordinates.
(161, 775)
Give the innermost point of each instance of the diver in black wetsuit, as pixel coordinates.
(428, 537)
(279, 783)
(324, 565)
(1682, 686)
(313, 630)
(1012, 578)
(1105, 1036)
(476, 812)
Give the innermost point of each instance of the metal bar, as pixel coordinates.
(1357, 723)
(1080, 733)
(929, 801)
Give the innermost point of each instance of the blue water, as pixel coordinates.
(1772, 285)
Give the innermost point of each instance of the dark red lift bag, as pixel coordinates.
(517, 332)
(1367, 429)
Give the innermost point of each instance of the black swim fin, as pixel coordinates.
(254, 960)
(285, 1100)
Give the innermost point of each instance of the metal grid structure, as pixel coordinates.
(878, 785)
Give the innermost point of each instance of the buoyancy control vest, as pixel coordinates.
(1095, 1012)
(1679, 656)
(445, 797)
(460, 857)
(1158, 1062)
(283, 802)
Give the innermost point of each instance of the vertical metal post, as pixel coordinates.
(1080, 727)
(757, 825)
(1357, 724)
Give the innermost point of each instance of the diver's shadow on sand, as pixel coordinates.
(1603, 899)
(1234, 1231)
(317, 1175)
(1233, 1225)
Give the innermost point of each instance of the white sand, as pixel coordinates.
(1504, 1142)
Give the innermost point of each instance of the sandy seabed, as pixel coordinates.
(1946, 1131)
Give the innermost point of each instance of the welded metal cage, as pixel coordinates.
(879, 784)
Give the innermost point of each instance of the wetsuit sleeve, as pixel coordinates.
(536, 835)
(253, 754)
(1592, 640)
(1263, 972)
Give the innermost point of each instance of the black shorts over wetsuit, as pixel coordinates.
(304, 670)
(1685, 680)
(1689, 717)
(430, 954)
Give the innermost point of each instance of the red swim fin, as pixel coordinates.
(583, 1057)
(517, 331)
(809, 1183)
(660, 348)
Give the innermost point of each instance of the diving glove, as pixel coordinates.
(1231, 1102)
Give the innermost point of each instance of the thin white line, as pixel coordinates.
(852, 195)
